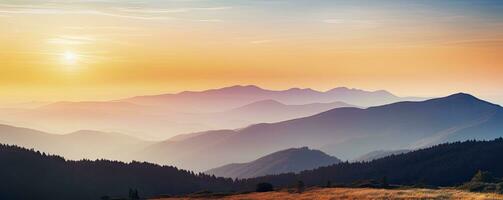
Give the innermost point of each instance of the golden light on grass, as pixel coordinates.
(359, 194)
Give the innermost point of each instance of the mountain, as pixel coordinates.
(449, 164)
(289, 160)
(344, 132)
(81, 144)
(374, 155)
(27, 174)
(160, 117)
(267, 111)
(216, 100)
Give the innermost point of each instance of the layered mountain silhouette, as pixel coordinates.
(344, 132)
(163, 116)
(77, 145)
(290, 160)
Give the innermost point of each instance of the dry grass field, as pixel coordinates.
(357, 194)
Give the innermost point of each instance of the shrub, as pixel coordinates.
(499, 188)
(300, 186)
(475, 186)
(483, 176)
(264, 187)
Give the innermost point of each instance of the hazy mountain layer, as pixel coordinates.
(285, 161)
(343, 132)
(77, 145)
(163, 116)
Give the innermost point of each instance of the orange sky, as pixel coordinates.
(96, 50)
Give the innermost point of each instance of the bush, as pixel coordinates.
(499, 188)
(300, 186)
(264, 187)
(365, 184)
(483, 176)
(478, 187)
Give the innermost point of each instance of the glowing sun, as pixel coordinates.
(69, 57)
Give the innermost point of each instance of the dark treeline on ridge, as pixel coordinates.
(449, 164)
(27, 174)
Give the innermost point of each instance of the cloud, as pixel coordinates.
(71, 40)
(175, 10)
(356, 23)
(52, 11)
(260, 41)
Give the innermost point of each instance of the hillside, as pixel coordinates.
(77, 145)
(344, 132)
(448, 164)
(285, 161)
(374, 155)
(27, 174)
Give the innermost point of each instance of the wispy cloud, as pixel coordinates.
(52, 11)
(100, 28)
(176, 10)
(260, 41)
(358, 23)
(110, 10)
(71, 40)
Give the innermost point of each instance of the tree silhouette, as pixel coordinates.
(264, 187)
(300, 186)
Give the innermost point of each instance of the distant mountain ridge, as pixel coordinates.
(345, 132)
(77, 145)
(160, 117)
(234, 96)
(285, 161)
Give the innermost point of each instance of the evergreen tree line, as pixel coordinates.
(449, 164)
(28, 174)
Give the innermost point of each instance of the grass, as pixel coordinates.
(357, 194)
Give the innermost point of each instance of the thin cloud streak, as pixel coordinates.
(176, 10)
(79, 12)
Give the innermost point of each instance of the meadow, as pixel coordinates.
(355, 194)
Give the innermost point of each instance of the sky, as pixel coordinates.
(52, 50)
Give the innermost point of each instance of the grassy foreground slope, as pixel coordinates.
(360, 194)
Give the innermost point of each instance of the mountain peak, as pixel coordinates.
(463, 97)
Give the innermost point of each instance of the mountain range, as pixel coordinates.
(343, 132)
(216, 100)
(292, 160)
(163, 116)
(346, 133)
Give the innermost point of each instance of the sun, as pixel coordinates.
(69, 57)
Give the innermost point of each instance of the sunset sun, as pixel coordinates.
(69, 58)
